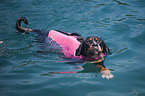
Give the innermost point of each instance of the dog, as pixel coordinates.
(92, 49)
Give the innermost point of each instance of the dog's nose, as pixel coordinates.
(95, 45)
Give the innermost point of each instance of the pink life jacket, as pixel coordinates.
(69, 44)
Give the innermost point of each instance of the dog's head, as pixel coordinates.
(93, 46)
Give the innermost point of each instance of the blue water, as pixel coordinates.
(25, 72)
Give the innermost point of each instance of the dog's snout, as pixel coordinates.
(97, 46)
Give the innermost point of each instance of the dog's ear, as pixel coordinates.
(104, 47)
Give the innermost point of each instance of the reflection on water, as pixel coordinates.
(87, 68)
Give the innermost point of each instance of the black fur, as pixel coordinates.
(84, 48)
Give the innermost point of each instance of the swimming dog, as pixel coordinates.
(92, 49)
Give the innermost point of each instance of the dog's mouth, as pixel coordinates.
(94, 54)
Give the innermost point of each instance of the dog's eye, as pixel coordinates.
(91, 41)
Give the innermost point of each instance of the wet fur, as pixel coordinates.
(87, 46)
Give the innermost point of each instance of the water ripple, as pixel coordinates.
(26, 70)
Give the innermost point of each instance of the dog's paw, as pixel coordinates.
(107, 74)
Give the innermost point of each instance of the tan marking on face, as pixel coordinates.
(96, 38)
(90, 39)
